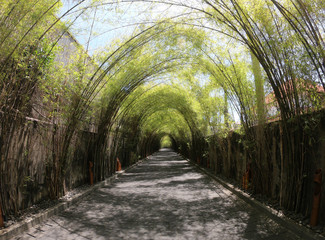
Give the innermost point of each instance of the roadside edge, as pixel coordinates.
(275, 215)
(24, 225)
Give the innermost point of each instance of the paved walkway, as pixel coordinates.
(162, 198)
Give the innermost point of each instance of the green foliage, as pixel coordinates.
(179, 79)
(166, 142)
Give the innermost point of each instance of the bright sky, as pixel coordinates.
(111, 21)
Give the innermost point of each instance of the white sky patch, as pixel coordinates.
(114, 20)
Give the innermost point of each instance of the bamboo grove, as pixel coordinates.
(184, 79)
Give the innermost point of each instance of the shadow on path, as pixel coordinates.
(163, 198)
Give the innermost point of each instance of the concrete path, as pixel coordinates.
(162, 198)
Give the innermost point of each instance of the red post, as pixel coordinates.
(246, 177)
(118, 165)
(91, 174)
(243, 181)
(316, 196)
(1, 218)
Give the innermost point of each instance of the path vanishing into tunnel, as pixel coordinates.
(165, 197)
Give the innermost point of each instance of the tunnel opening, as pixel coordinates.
(166, 142)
